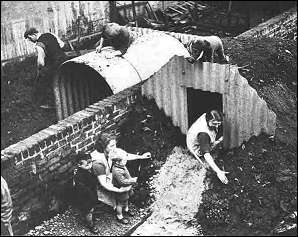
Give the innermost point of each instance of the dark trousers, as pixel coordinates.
(44, 88)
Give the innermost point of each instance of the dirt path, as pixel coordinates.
(178, 193)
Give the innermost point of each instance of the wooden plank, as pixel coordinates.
(152, 11)
(137, 4)
(175, 10)
(183, 8)
(189, 4)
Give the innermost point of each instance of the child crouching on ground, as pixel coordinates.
(121, 178)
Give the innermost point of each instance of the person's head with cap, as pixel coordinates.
(31, 34)
(214, 119)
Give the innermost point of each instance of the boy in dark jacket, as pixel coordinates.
(121, 178)
(85, 183)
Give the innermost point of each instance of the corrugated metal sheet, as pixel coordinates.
(146, 55)
(246, 114)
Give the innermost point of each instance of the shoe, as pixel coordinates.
(129, 213)
(123, 221)
(94, 229)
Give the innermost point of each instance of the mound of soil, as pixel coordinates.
(20, 116)
(261, 196)
(264, 61)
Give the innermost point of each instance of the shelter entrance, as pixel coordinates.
(199, 102)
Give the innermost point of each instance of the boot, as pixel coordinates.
(90, 224)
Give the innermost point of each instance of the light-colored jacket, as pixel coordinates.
(200, 125)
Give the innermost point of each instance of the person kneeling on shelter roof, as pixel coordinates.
(201, 139)
(116, 36)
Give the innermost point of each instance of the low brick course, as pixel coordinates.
(51, 150)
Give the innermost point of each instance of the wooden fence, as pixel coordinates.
(61, 18)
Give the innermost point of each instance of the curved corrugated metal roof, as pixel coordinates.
(145, 56)
(92, 77)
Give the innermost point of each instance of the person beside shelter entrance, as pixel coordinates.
(116, 36)
(84, 189)
(201, 139)
(121, 178)
(102, 164)
(50, 55)
(6, 209)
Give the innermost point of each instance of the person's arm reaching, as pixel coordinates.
(109, 186)
(220, 174)
(131, 156)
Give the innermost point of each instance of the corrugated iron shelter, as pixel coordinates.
(246, 114)
(157, 61)
(89, 78)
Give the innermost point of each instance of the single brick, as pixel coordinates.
(62, 142)
(48, 142)
(31, 151)
(42, 144)
(25, 154)
(53, 154)
(59, 136)
(87, 128)
(36, 148)
(84, 143)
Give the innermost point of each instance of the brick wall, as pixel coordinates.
(283, 25)
(50, 152)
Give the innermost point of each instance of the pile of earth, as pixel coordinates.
(261, 196)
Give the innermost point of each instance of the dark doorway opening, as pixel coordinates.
(199, 102)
